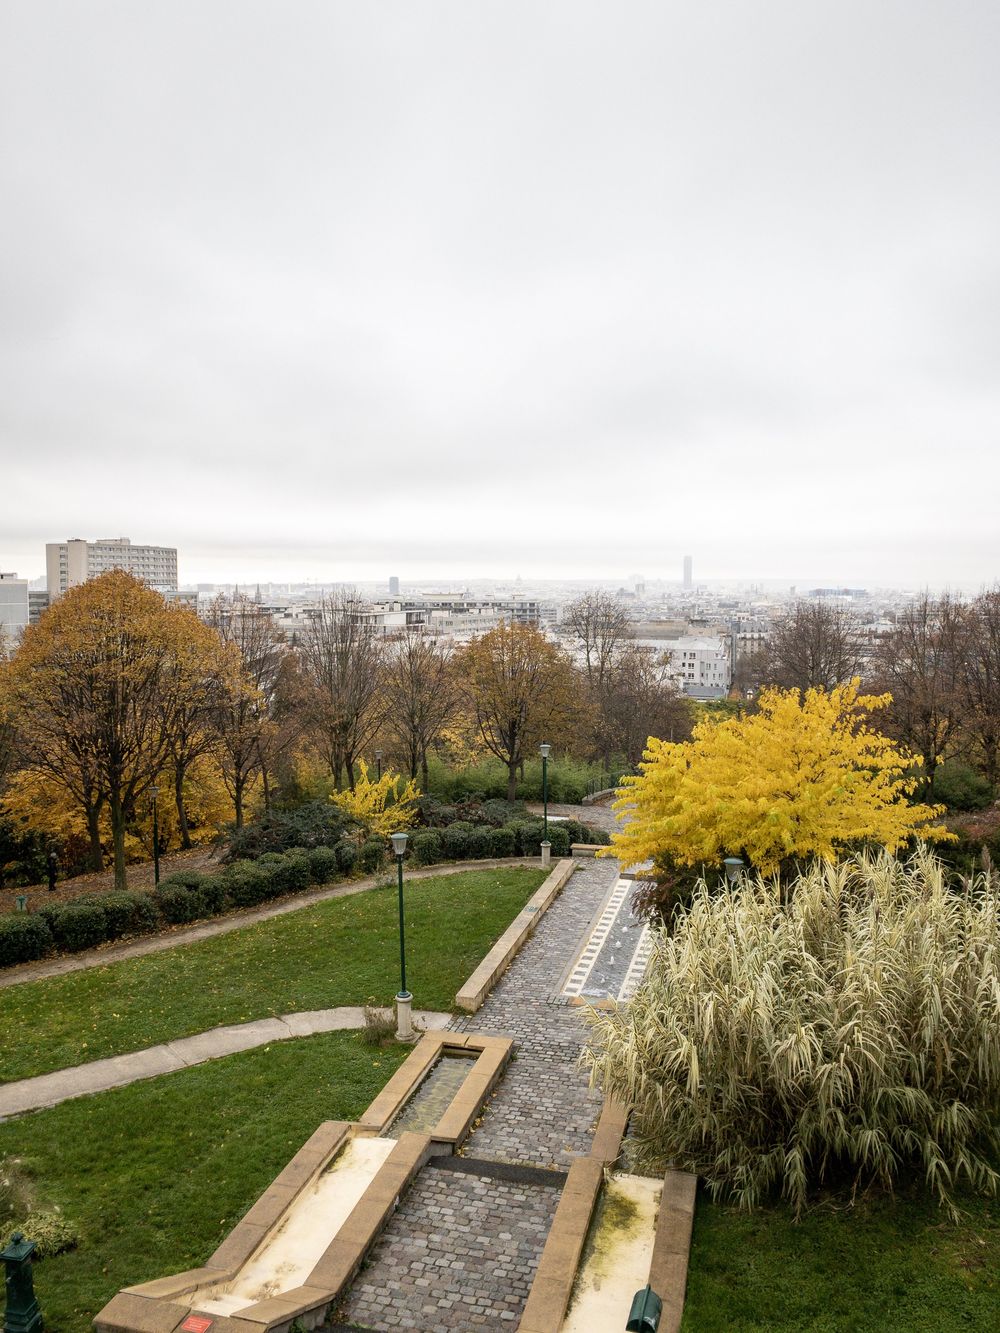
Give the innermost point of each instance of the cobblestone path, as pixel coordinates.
(461, 1250)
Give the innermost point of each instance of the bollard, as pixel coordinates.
(644, 1316)
(546, 853)
(23, 1314)
(404, 1018)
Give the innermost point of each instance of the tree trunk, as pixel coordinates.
(182, 823)
(425, 776)
(94, 837)
(118, 842)
(512, 781)
(349, 765)
(267, 790)
(238, 801)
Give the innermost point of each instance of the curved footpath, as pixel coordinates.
(57, 967)
(32, 1094)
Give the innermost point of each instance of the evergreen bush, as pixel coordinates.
(347, 855)
(178, 904)
(427, 849)
(371, 855)
(128, 913)
(323, 865)
(24, 937)
(79, 925)
(246, 885)
(478, 842)
(559, 840)
(503, 842)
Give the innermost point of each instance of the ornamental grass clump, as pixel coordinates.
(846, 1033)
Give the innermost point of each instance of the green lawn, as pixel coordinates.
(892, 1266)
(154, 1175)
(343, 951)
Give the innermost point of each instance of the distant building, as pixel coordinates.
(688, 571)
(394, 585)
(14, 616)
(70, 563)
(701, 667)
(38, 601)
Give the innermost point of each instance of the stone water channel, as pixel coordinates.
(462, 1248)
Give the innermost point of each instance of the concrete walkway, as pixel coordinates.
(114, 953)
(32, 1094)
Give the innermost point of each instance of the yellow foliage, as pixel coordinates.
(804, 776)
(369, 803)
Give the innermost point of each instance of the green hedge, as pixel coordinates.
(24, 936)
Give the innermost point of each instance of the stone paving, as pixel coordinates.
(542, 1113)
(460, 1253)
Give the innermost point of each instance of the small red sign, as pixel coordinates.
(196, 1323)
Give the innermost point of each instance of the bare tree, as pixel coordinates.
(920, 665)
(640, 701)
(980, 680)
(244, 717)
(601, 627)
(420, 696)
(341, 658)
(818, 644)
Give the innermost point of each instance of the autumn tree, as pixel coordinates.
(638, 700)
(341, 656)
(245, 718)
(96, 689)
(419, 696)
(920, 664)
(818, 644)
(804, 776)
(520, 688)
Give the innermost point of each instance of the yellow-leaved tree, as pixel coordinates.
(381, 807)
(804, 776)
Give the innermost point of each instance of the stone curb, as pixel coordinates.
(499, 958)
(33, 1094)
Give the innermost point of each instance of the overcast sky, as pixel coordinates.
(338, 290)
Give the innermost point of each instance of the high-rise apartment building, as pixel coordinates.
(75, 561)
(13, 607)
(688, 569)
(394, 585)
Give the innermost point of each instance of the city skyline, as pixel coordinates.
(365, 292)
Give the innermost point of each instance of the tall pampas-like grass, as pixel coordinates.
(847, 1030)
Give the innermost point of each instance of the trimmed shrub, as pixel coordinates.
(323, 865)
(24, 936)
(528, 836)
(577, 831)
(842, 1034)
(246, 885)
(503, 842)
(599, 836)
(178, 904)
(371, 855)
(80, 925)
(213, 894)
(427, 848)
(478, 842)
(129, 913)
(183, 879)
(347, 855)
(455, 841)
(559, 840)
(298, 870)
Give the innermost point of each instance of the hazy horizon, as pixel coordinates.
(332, 292)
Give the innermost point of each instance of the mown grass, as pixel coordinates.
(896, 1266)
(156, 1174)
(340, 952)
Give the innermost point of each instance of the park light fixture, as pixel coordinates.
(544, 749)
(378, 764)
(733, 864)
(404, 1000)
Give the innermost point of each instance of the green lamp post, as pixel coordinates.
(23, 1314)
(544, 749)
(404, 1000)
